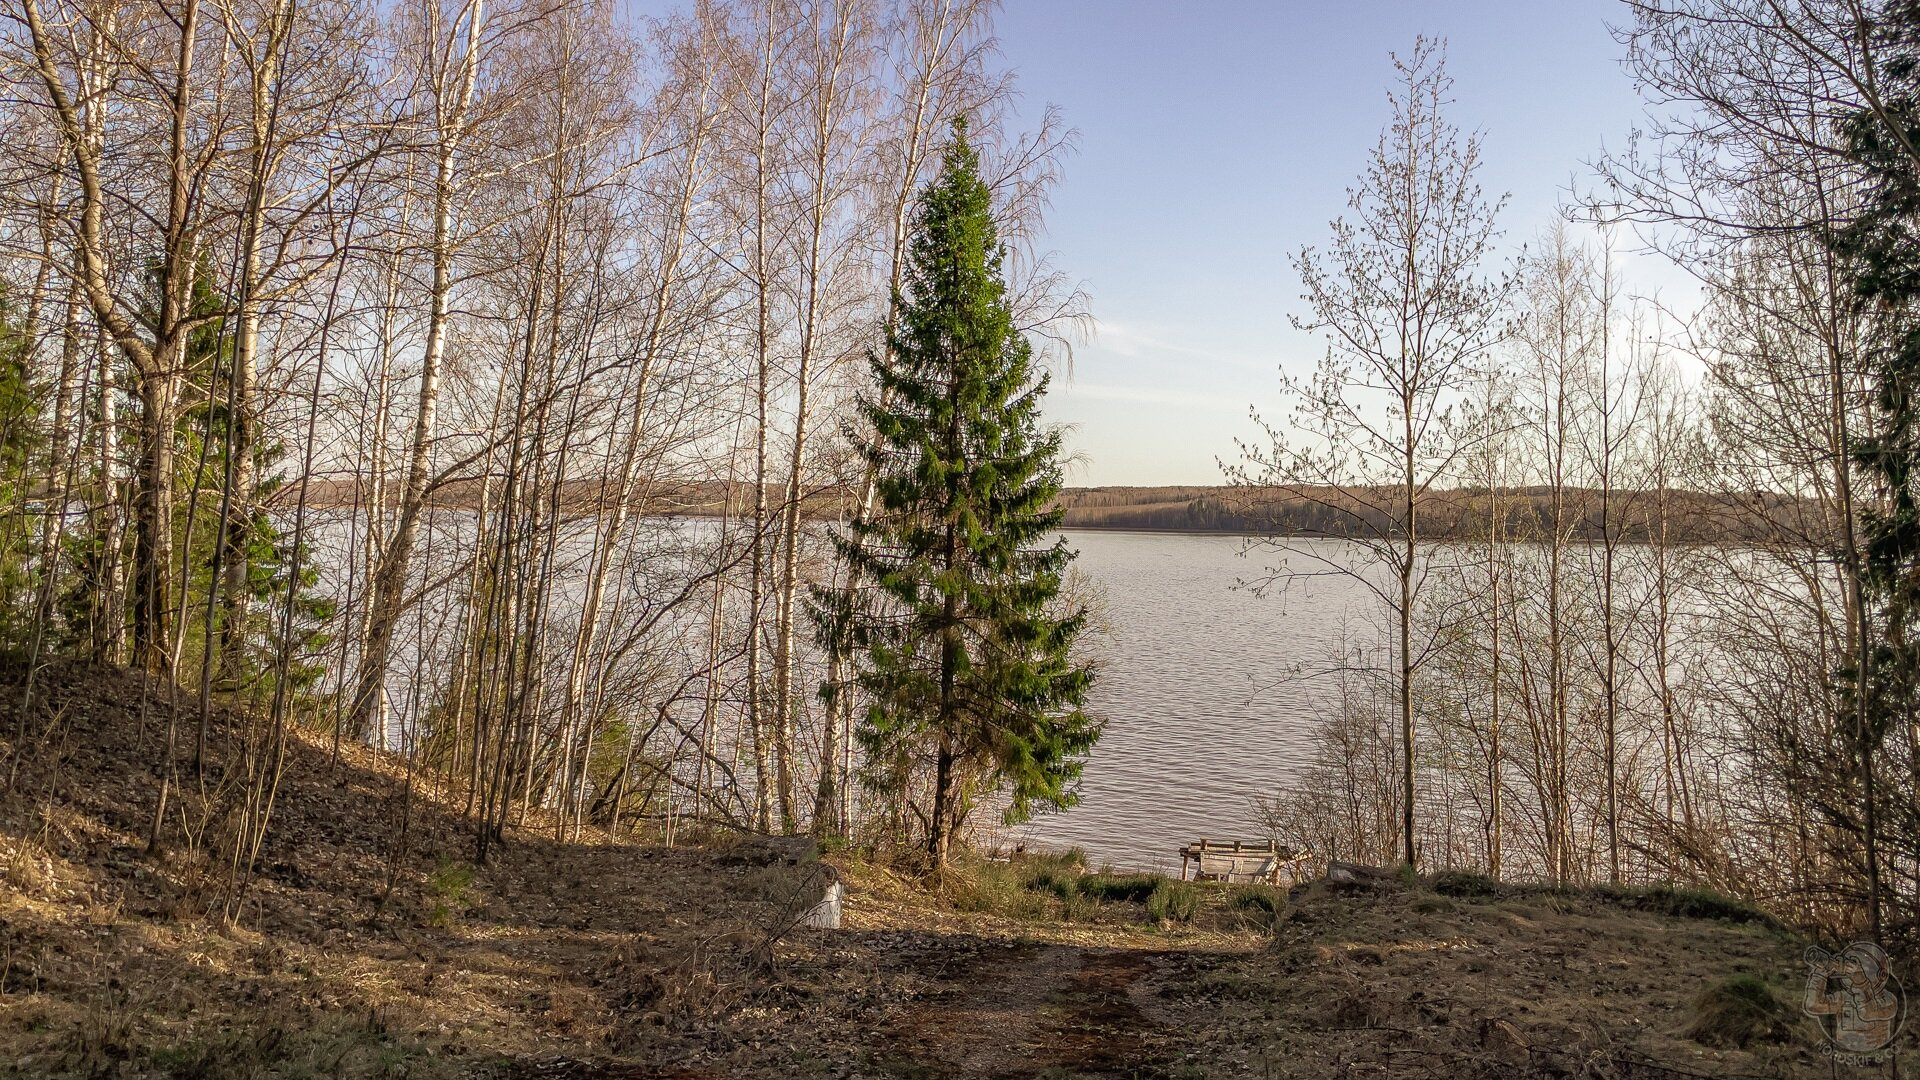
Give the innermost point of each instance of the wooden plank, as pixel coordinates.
(1195, 851)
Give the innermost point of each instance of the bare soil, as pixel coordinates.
(369, 949)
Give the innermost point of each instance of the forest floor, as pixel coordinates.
(587, 959)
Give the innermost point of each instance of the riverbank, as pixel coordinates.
(359, 954)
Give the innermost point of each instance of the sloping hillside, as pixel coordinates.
(595, 959)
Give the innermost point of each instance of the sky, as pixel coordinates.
(1218, 138)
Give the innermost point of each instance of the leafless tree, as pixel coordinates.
(1401, 297)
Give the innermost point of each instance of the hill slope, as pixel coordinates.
(596, 959)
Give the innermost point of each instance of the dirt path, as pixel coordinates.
(1020, 1009)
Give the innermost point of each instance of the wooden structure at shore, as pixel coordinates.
(1236, 860)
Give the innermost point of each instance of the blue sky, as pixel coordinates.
(1219, 137)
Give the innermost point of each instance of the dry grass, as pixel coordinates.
(356, 954)
(1410, 981)
(359, 956)
(1054, 900)
(1737, 1012)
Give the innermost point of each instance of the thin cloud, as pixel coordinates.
(1155, 395)
(1137, 341)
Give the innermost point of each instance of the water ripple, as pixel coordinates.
(1199, 691)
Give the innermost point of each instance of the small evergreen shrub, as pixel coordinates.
(448, 888)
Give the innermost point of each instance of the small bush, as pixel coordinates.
(1737, 1011)
(1173, 901)
(451, 879)
(448, 888)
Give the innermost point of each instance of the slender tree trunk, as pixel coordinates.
(763, 374)
(390, 580)
(1410, 507)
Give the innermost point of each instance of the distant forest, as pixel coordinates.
(1457, 514)
(1460, 514)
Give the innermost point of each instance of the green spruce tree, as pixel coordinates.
(965, 642)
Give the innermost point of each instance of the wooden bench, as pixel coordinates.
(1237, 860)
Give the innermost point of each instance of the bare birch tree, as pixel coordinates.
(1401, 297)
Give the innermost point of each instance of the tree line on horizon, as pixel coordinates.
(1454, 513)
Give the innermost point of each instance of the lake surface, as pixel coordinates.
(1200, 681)
(1200, 689)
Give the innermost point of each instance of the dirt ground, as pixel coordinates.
(603, 960)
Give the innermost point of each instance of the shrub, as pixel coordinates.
(448, 888)
(1737, 1011)
(1173, 901)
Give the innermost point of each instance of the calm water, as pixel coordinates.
(1203, 706)
(1199, 685)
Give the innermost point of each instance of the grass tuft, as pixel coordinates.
(1464, 883)
(1685, 903)
(1173, 901)
(1052, 873)
(1257, 898)
(1057, 888)
(992, 888)
(1130, 888)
